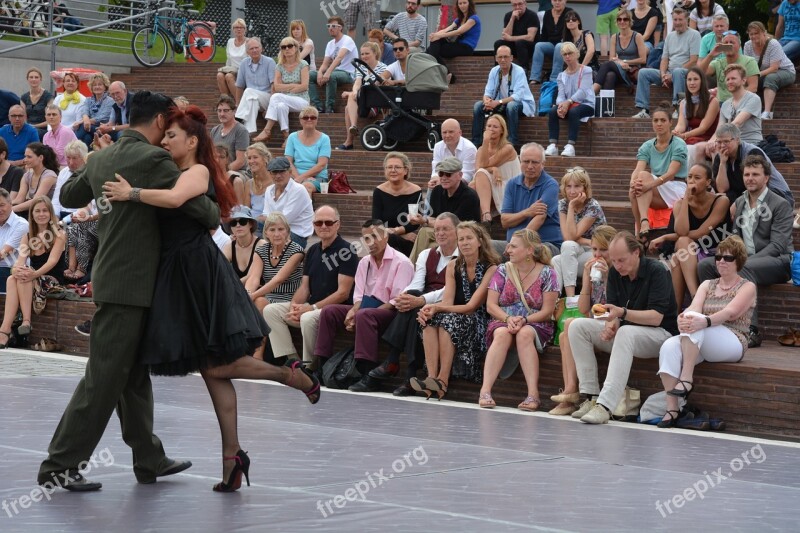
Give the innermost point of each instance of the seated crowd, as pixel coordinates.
(431, 283)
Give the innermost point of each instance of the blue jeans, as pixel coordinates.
(511, 114)
(337, 76)
(652, 75)
(573, 117)
(302, 241)
(791, 49)
(86, 136)
(5, 272)
(539, 52)
(558, 63)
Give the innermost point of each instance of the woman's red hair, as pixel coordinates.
(193, 122)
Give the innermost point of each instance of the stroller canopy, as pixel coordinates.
(423, 73)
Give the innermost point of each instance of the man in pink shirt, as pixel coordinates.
(59, 135)
(381, 276)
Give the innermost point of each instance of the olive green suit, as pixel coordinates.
(123, 276)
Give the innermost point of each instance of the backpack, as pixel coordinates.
(547, 97)
(338, 184)
(776, 150)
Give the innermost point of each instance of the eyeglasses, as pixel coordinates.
(726, 258)
(308, 117)
(730, 32)
(239, 222)
(286, 46)
(326, 223)
(723, 141)
(443, 174)
(399, 49)
(329, 26)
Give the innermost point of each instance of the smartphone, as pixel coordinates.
(725, 48)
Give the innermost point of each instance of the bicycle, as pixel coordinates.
(152, 42)
(258, 28)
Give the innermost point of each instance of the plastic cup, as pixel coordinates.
(413, 209)
(323, 187)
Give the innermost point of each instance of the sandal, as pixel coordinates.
(643, 233)
(353, 130)
(4, 345)
(435, 385)
(529, 404)
(485, 400)
(790, 338)
(344, 147)
(315, 388)
(672, 421)
(263, 137)
(684, 393)
(24, 329)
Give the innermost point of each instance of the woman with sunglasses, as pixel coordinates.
(289, 91)
(628, 55)
(583, 41)
(356, 97)
(241, 250)
(714, 328)
(309, 151)
(459, 38)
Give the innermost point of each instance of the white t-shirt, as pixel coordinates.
(63, 176)
(332, 50)
(235, 53)
(750, 103)
(396, 71)
(295, 204)
(73, 113)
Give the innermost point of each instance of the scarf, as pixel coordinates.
(69, 98)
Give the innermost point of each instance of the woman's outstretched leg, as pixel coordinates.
(250, 368)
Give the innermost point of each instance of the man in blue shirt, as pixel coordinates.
(18, 134)
(531, 199)
(253, 84)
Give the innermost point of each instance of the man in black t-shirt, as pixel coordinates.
(10, 175)
(520, 30)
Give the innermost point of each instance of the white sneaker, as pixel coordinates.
(584, 408)
(675, 115)
(551, 150)
(766, 115)
(569, 151)
(598, 415)
(641, 114)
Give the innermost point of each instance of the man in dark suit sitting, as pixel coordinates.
(120, 120)
(763, 219)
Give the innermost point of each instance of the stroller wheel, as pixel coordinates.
(433, 137)
(390, 144)
(373, 137)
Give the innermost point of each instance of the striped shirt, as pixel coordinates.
(284, 291)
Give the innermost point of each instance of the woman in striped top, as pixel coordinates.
(714, 328)
(356, 105)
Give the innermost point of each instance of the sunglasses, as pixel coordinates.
(329, 26)
(308, 117)
(571, 19)
(326, 223)
(443, 174)
(240, 222)
(726, 258)
(730, 32)
(623, 19)
(286, 46)
(399, 49)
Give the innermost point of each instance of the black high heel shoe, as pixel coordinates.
(296, 364)
(684, 393)
(672, 421)
(241, 467)
(429, 386)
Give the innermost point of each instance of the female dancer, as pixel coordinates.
(196, 282)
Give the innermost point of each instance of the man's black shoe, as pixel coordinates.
(385, 371)
(404, 390)
(366, 384)
(174, 466)
(75, 482)
(755, 338)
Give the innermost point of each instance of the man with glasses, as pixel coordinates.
(681, 48)
(395, 74)
(763, 219)
(230, 133)
(120, 118)
(506, 93)
(731, 50)
(328, 276)
(337, 67)
(367, 10)
(253, 84)
(520, 28)
(18, 134)
(410, 25)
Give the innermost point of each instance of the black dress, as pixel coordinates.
(201, 315)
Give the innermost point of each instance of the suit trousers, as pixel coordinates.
(370, 324)
(279, 337)
(114, 379)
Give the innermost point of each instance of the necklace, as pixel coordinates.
(719, 284)
(529, 273)
(276, 257)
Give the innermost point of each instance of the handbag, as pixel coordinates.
(339, 372)
(628, 406)
(338, 184)
(796, 268)
(41, 287)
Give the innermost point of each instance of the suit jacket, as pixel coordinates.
(772, 235)
(127, 258)
(118, 111)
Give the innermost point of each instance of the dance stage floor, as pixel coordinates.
(377, 463)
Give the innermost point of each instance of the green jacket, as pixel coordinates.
(126, 263)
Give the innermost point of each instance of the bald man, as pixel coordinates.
(453, 145)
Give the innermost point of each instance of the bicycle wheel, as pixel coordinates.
(201, 45)
(149, 47)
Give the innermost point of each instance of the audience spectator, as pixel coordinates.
(743, 108)
(646, 20)
(40, 177)
(459, 38)
(586, 52)
(553, 27)
(392, 201)
(521, 300)
(297, 29)
(181, 102)
(665, 182)
(410, 26)
(698, 115)
(454, 330)
(387, 54)
(290, 90)
(59, 135)
(698, 222)
(82, 238)
(12, 228)
(237, 180)
(787, 31)
(607, 11)
(628, 55)
(242, 249)
(763, 219)
(531, 199)
(309, 151)
(714, 328)
(681, 48)
(497, 162)
(453, 144)
(97, 109)
(367, 10)
(731, 55)
(427, 287)
(395, 74)
(18, 135)
(720, 25)
(452, 195)
(328, 276)
(70, 101)
(36, 100)
(120, 118)
(230, 133)
(356, 97)
(579, 217)
(641, 316)
(380, 279)
(10, 175)
(75, 156)
(776, 71)
(520, 30)
(235, 52)
(593, 291)
(336, 68)
(574, 103)
(258, 159)
(291, 199)
(7, 101)
(701, 18)
(505, 94)
(254, 84)
(728, 165)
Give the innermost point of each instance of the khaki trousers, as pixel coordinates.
(280, 339)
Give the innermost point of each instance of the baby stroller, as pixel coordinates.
(425, 82)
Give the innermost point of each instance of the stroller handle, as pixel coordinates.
(360, 65)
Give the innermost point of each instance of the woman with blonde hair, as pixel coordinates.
(390, 201)
(497, 162)
(97, 109)
(235, 52)
(297, 29)
(41, 252)
(776, 69)
(289, 91)
(258, 157)
(522, 297)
